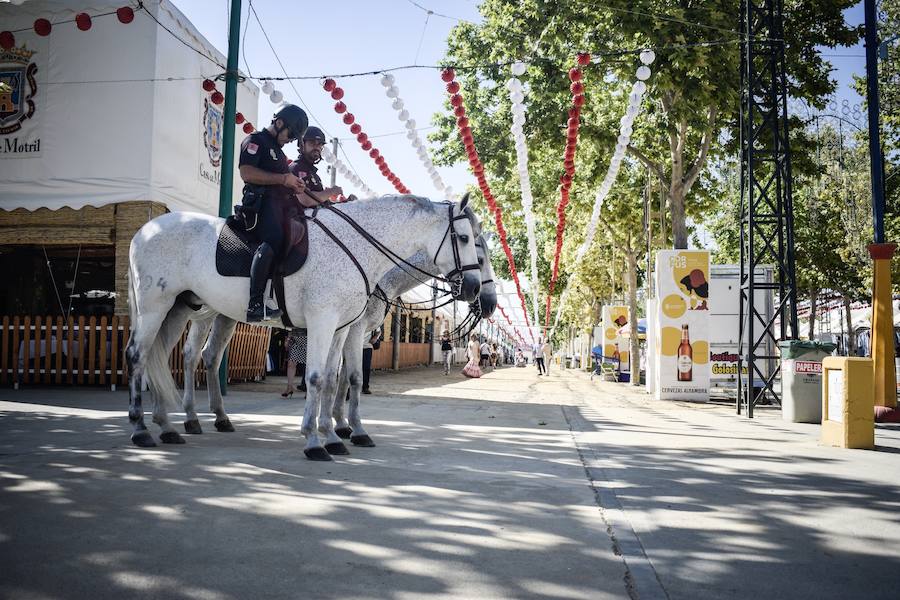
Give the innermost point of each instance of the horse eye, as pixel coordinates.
(464, 238)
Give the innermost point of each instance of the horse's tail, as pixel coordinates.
(162, 383)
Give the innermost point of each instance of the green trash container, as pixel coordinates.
(801, 379)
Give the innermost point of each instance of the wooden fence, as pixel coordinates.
(410, 355)
(90, 351)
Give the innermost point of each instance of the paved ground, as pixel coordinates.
(511, 486)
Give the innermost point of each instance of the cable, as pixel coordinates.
(662, 17)
(244, 41)
(174, 35)
(393, 133)
(437, 14)
(422, 37)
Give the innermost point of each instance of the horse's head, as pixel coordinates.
(456, 256)
(488, 296)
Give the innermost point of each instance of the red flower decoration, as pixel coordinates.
(125, 14)
(42, 27)
(83, 21)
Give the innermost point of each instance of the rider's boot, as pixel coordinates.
(259, 275)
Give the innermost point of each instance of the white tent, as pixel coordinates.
(119, 112)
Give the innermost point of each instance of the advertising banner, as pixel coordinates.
(614, 345)
(682, 325)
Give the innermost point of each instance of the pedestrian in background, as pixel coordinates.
(473, 353)
(372, 343)
(295, 344)
(446, 351)
(537, 353)
(547, 352)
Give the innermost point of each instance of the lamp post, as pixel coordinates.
(226, 189)
(880, 251)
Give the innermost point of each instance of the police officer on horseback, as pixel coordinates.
(305, 166)
(273, 191)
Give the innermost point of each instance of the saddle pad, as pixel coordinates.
(235, 248)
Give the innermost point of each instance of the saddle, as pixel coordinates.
(236, 246)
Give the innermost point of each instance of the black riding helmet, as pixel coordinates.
(314, 134)
(294, 118)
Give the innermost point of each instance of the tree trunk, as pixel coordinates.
(813, 302)
(851, 337)
(635, 351)
(679, 226)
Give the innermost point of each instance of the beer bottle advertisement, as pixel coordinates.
(615, 346)
(681, 328)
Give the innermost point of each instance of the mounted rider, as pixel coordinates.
(273, 191)
(305, 166)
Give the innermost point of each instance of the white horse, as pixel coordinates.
(395, 283)
(173, 270)
(216, 331)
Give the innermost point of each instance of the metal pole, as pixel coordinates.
(335, 145)
(395, 350)
(226, 189)
(433, 312)
(875, 160)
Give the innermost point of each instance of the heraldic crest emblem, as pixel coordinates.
(212, 131)
(17, 88)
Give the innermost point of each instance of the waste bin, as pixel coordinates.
(801, 379)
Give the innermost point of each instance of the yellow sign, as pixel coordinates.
(614, 345)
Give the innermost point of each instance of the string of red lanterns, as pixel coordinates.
(216, 97)
(337, 93)
(508, 320)
(82, 20)
(565, 180)
(465, 134)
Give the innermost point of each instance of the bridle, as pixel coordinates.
(455, 276)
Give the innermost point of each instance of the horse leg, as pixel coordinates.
(196, 337)
(161, 382)
(353, 360)
(321, 333)
(333, 443)
(341, 425)
(222, 331)
(145, 326)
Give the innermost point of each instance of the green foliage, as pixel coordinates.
(689, 114)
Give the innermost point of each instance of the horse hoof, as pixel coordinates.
(317, 453)
(224, 425)
(362, 440)
(143, 439)
(171, 437)
(337, 448)
(343, 432)
(192, 426)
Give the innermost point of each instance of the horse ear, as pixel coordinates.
(464, 201)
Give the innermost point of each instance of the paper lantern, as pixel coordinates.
(392, 92)
(7, 40)
(456, 100)
(366, 145)
(584, 59)
(276, 97)
(83, 21)
(374, 153)
(362, 137)
(387, 80)
(329, 85)
(577, 88)
(643, 73)
(647, 56)
(355, 128)
(411, 124)
(340, 107)
(578, 100)
(575, 74)
(337, 93)
(459, 111)
(448, 75)
(379, 160)
(217, 97)
(125, 14)
(42, 27)
(248, 128)
(453, 87)
(208, 85)
(268, 87)
(462, 122)
(239, 118)
(403, 115)
(518, 68)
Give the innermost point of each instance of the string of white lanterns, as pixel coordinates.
(393, 92)
(517, 97)
(349, 175)
(638, 89)
(268, 88)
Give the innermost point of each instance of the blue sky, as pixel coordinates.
(349, 36)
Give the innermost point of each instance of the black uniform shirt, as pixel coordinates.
(260, 150)
(308, 172)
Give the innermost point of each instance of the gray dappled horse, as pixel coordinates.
(172, 271)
